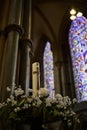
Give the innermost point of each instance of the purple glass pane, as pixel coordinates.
(78, 49)
(48, 69)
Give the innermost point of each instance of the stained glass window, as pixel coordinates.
(78, 49)
(48, 69)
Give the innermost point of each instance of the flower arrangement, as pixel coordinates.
(20, 108)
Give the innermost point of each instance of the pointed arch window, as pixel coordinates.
(48, 69)
(78, 49)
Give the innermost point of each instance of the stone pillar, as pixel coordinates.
(63, 80)
(26, 47)
(4, 13)
(24, 73)
(12, 31)
(58, 65)
(27, 18)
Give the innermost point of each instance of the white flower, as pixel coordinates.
(33, 104)
(57, 106)
(26, 105)
(11, 100)
(23, 96)
(49, 102)
(74, 100)
(29, 105)
(30, 90)
(2, 105)
(29, 100)
(67, 112)
(18, 91)
(43, 92)
(38, 103)
(72, 113)
(8, 100)
(69, 123)
(17, 109)
(58, 97)
(14, 102)
(78, 121)
(67, 101)
(8, 89)
(61, 113)
(11, 97)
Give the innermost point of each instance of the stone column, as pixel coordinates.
(26, 47)
(24, 73)
(4, 13)
(58, 65)
(27, 19)
(12, 31)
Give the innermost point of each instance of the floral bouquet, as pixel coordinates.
(20, 108)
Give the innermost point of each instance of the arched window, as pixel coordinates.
(78, 49)
(48, 69)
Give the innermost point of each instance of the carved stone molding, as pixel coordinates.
(14, 27)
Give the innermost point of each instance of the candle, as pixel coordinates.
(35, 77)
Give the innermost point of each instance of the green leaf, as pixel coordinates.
(14, 116)
(56, 112)
(21, 102)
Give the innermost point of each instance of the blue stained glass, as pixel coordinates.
(78, 49)
(48, 69)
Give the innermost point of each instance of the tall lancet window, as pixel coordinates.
(78, 49)
(48, 69)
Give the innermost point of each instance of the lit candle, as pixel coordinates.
(35, 77)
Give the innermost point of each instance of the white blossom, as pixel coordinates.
(8, 89)
(29, 100)
(2, 105)
(58, 96)
(14, 102)
(38, 103)
(77, 120)
(48, 102)
(18, 91)
(25, 105)
(33, 104)
(69, 123)
(17, 109)
(59, 105)
(11, 97)
(29, 105)
(74, 100)
(30, 90)
(43, 92)
(8, 100)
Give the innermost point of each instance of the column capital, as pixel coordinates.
(26, 42)
(13, 27)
